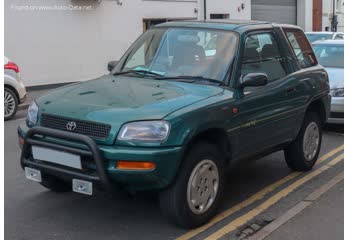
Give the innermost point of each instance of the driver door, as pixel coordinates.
(262, 122)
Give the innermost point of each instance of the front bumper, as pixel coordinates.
(337, 111)
(100, 160)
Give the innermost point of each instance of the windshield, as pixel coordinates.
(330, 55)
(182, 52)
(319, 36)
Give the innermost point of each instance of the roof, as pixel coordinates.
(223, 24)
(330, 33)
(329, 42)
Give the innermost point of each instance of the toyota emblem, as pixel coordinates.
(71, 126)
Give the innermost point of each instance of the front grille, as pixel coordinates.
(91, 129)
(336, 115)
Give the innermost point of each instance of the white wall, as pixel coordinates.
(56, 46)
(327, 9)
(340, 13)
(304, 14)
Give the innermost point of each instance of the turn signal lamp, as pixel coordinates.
(131, 165)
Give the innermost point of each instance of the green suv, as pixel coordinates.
(186, 101)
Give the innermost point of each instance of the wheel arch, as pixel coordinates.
(215, 136)
(319, 107)
(14, 90)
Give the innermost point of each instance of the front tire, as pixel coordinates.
(10, 103)
(193, 199)
(302, 154)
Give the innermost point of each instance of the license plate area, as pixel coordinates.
(81, 186)
(57, 157)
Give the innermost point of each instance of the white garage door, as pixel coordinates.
(277, 11)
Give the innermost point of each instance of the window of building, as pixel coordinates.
(339, 5)
(262, 55)
(302, 49)
(219, 16)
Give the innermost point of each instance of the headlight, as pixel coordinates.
(148, 131)
(338, 92)
(32, 116)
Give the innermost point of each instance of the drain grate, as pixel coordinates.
(251, 228)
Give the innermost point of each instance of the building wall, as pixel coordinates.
(56, 46)
(231, 7)
(328, 13)
(340, 13)
(304, 14)
(52, 45)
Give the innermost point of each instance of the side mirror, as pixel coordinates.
(254, 80)
(111, 65)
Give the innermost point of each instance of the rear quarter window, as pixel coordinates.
(301, 47)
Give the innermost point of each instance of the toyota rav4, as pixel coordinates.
(186, 101)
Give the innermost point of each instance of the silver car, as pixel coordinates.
(14, 89)
(330, 54)
(319, 36)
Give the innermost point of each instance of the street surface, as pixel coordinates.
(256, 193)
(327, 213)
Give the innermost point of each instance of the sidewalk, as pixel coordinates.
(322, 220)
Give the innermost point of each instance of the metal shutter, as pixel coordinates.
(277, 11)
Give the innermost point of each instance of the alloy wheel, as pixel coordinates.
(311, 141)
(203, 186)
(9, 104)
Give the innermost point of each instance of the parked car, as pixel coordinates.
(330, 54)
(14, 89)
(170, 119)
(318, 36)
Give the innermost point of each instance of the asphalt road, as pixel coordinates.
(32, 212)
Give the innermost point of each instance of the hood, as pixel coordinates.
(336, 77)
(116, 100)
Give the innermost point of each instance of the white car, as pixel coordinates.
(317, 36)
(330, 54)
(14, 89)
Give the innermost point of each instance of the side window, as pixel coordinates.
(301, 47)
(262, 55)
(339, 36)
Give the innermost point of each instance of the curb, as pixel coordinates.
(310, 199)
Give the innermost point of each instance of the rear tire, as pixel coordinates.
(56, 185)
(193, 198)
(10, 104)
(302, 154)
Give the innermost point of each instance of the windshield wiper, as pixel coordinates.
(144, 72)
(194, 78)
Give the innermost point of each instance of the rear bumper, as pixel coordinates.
(102, 168)
(336, 120)
(22, 92)
(14, 80)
